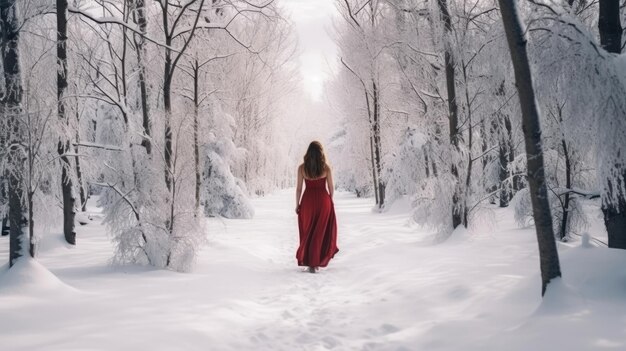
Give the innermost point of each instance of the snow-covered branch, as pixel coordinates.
(117, 21)
(98, 146)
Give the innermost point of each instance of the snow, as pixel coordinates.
(28, 276)
(389, 288)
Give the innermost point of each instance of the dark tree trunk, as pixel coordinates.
(517, 179)
(371, 137)
(548, 254)
(5, 226)
(374, 178)
(12, 109)
(506, 156)
(168, 74)
(376, 123)
(614, 205)
(67, 183)
(453, 114)
(139, 15)
(4, 193)
(483, 145)
(610, 26)
(377, 146)
(503, 173)
(79, 176)
(196, 127)
(615, 221)
(470, 159)
(17, 230)
(568, 185)
(167, 99)
(167, 104)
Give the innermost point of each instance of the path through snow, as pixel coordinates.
(387, 289)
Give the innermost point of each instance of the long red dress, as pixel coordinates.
(317, 225)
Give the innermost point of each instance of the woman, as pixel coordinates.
(316, 212)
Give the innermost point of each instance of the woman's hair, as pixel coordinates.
(314, 160)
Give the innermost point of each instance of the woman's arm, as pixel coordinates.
(329, 182)
(299, 188)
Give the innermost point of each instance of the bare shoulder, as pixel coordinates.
(300, 168)
(328, 169)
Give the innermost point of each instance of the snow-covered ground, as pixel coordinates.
(388, 288)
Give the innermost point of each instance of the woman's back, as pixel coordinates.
(319, 183)
(316, 214)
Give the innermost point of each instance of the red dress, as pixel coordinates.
(317, 225)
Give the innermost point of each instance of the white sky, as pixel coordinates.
(318, 52)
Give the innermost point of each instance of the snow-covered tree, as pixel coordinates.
(224, 194)
(587, 83)
(13, 134)
(548, 255)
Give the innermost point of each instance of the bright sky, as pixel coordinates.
(318, 52)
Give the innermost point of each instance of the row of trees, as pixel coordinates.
(436, 76)
(160, 106)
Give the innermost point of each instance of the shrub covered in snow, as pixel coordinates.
(402, 171)
(576, 220)
(223, 194)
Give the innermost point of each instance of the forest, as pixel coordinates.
(166, 128)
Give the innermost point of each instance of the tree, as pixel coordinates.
(64, 146)
(171, 31)
(138, 9)
(12, 141)
(614, 202)
(363, 26)
(153, 221)
(453, 116)
(548, 255)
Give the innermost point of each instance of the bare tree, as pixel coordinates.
(453, 115)
(171, 26)
(548, 255)
(614, 206)
(14, 139)
(138, 9)
(64, 146)
(197, 98)
(364, 25)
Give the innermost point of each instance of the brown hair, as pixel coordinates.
(314, 160)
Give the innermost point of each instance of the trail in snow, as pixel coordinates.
(387, 289)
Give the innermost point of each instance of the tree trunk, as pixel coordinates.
(196, 127)
(67, 183)
(470, 160)
(371, 137)
(4, 191)
(548, 254)
(568, 185)
(139, 15)
(453, 115)
(610, 26)
(12, 110)
(506, 156)
(167, 99)
(377, 146)
(167, 104)
(79, 177)
(614, 205)
(5, 227)
(375, 179)
(503, 173)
